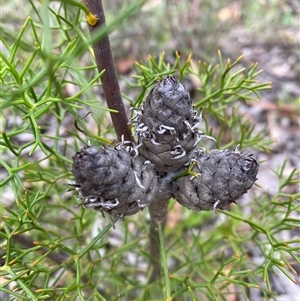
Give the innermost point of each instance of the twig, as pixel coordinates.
(58, 257)
(104, 60)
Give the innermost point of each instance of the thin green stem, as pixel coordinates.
(164, 260)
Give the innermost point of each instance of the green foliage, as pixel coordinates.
(221, 89)
(51, 249)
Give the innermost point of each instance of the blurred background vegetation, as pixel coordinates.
(53, 250)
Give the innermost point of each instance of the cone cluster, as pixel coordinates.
(125, 179)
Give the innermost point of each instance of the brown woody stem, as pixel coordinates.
(104, 60)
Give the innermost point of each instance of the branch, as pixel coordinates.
(109, 80)
(104, 60)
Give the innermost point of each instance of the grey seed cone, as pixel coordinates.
(166, 126)
(223, 176)
(113, 181)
